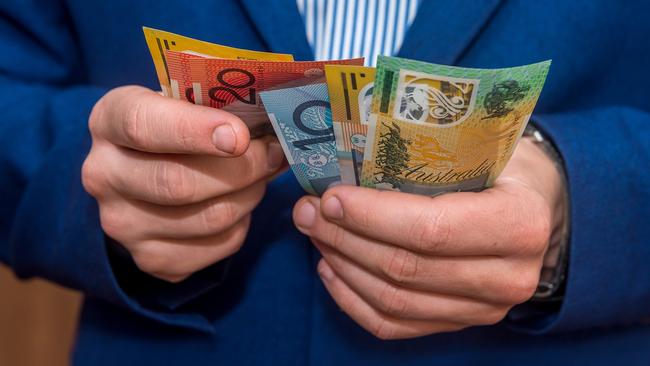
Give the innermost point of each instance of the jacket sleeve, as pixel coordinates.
(49, 226)
(606, 153)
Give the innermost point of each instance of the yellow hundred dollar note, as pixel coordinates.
(441, 128)
(350, 90)
(160, 41)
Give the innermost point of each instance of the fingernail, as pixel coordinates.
(325, 271)
(224, 138)
(306, 215)
(332, 208)
(275, 156)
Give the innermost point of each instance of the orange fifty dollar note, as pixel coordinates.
(234, 85)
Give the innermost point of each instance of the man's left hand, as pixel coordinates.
(404, 266)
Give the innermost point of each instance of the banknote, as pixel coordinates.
(441, 128)
(234, 85)
(350, 89)
(180, 78)
(301, 117)
(160, 41)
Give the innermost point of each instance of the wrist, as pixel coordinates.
(554, 264)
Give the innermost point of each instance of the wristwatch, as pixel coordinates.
(554, 270)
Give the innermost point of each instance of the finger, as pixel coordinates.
(403, 303)
(142, 119)
(139, 220)
(487, 278)
(464, 223)
(182, 179)
(313, 218)
(484, 278)
(372, 320)
(175, 260)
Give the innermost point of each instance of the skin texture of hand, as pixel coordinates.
(405, 266)
(175, 182)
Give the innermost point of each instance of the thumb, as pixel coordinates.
(142, 119)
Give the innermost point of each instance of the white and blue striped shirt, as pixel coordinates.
(339, 29)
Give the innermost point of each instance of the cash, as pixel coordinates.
(407, 125)
(160, 41)
(235, 85)
(350, 90)
(302, 120)
(439, 128)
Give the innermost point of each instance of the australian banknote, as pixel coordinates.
(441, 128)
(180, 77)
(301, 117)
(160, 41)
(350, 90)
(234, 85)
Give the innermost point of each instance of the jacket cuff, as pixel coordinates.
(604, 153)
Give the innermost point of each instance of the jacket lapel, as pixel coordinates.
(443, 30)
(280, 25)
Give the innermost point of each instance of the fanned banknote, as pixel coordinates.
(350, 89)
(160, 41)
(234, 85)
(180, 78)
(442, 128)
(301, 117)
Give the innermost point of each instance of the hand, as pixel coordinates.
(175, 182)
(404, 266)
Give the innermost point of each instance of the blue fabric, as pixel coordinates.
(58, 57)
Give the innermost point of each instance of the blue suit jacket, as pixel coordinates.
(57, 57)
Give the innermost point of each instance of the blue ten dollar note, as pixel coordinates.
(302, 120)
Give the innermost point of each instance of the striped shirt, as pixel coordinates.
(339, 29)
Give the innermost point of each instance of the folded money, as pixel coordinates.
(350, 89)
(408, 125)
(228, 78)
(160, 41)
(437, 129)
(301, 117)
(235, 85)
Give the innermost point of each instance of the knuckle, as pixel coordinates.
(382, 330)
(393, 301)
(431, 230)
(174, 183)
(336, 237)
(531, 226)
(112, 222)
(236, 236)
(532, 236)
(237, 239)
(245, 169)
(91, 178)
(148, 258)
(133, 123)
(232, 249)
(171, 278)
(400, 266)
(521, 287)
(96, 116)
(254, 166)
(186, 135)
(217, 216)
(492, 317)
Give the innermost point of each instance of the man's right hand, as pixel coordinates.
(176, 183)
